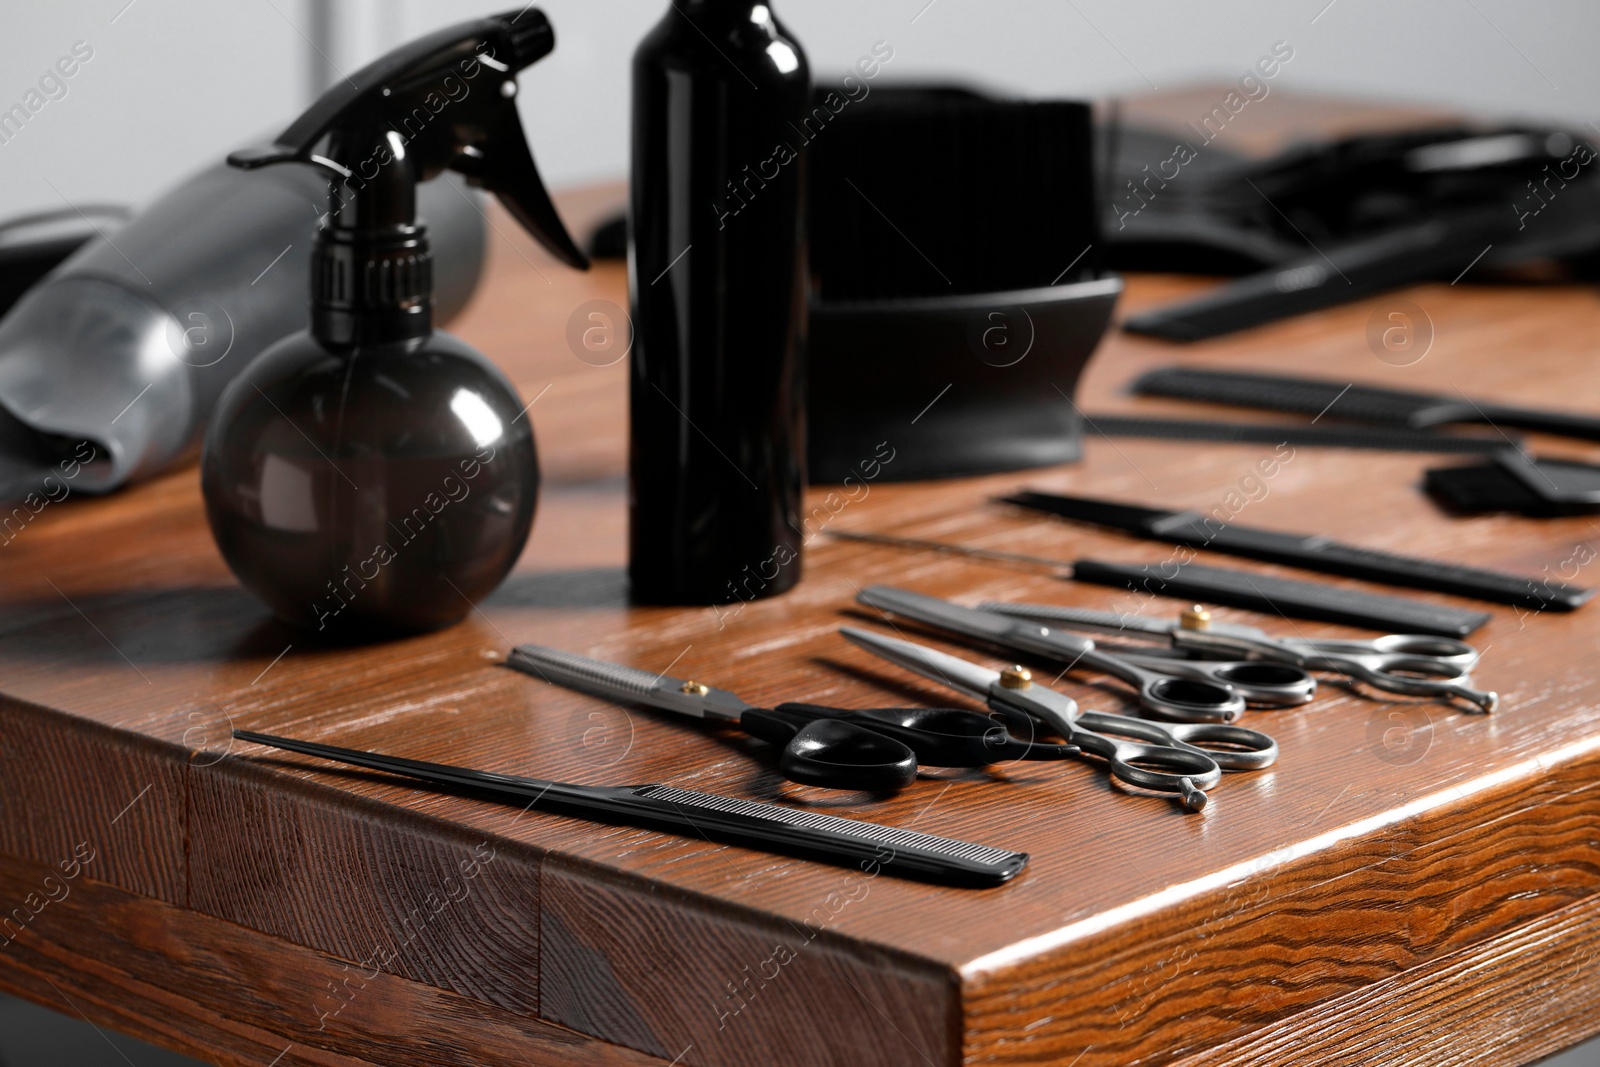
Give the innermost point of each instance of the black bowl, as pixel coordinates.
(951, 386)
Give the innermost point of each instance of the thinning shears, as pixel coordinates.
(1167, 689)
(876, 749)
(1166, 758)
(1409, 664)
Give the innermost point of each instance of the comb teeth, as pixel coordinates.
(938, 612)
(832, 824)
(581, 670)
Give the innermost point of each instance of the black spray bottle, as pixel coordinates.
(718, 274)
(371, 475)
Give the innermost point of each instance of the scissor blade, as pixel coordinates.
(947, 670)
(1110, 622)
(615, 681)
(969, 622)
(1017, 635)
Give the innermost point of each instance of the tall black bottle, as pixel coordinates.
(718, 273)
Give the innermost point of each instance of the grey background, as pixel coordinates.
(174, 83)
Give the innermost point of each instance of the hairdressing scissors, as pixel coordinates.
(1167, 689)
(1409, 664)
(874, 749)
(1166, 758)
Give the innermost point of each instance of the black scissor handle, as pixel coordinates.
(943, 737)
(832, 752)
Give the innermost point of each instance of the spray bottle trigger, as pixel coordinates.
(420, 103)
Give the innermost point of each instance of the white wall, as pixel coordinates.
(173, 83)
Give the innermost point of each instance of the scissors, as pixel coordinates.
(1163, 758)
(874, 749)
(1167, 689)
(1410, 664)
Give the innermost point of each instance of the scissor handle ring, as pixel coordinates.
(1414, 646)
(1154, 760)
(841, 755)
(1190, 700)
(1183, 772)
(1427, 677)
(833, 753)
(1415, 668)
(1262, 682)
(1247, 750)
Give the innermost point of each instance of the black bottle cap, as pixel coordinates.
(371, 290)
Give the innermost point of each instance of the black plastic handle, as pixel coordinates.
(946, 737)
(832, 752)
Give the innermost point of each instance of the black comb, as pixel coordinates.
(1304, 435)
(1284, 596)
(1350, 270)
(1357, 403)
(1311, 551)
(769, 827)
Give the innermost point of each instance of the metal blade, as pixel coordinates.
(1111, 622)
(1057, 710)
(953, 617)
(947, 670)
(616, 682)
(1013, 634)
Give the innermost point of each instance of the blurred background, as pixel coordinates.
(174, 83)
(170, 85)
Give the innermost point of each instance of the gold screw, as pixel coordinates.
(1016, 678)
(694, 689)
(1196, 618)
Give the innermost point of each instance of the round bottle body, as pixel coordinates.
(717, 265)
(371, 491)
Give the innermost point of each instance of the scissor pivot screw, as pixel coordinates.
(695, 689)
(1016, 678)
(1196, 618)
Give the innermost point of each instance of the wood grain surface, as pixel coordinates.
(236, 1005)
(1314, 913)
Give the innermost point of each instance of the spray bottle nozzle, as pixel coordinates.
(446, 101)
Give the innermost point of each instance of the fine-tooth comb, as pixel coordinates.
(769, 827)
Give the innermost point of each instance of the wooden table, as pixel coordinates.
(1410, 884)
